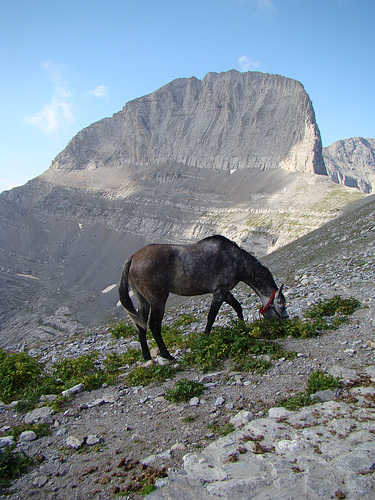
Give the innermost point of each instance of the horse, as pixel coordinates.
(213, 265)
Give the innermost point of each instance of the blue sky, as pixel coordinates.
(65, 64)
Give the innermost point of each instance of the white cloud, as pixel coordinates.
(246, 64)
(53, 116)
(100, 91)
(58, 112)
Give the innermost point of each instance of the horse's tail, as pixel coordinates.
(125, 299)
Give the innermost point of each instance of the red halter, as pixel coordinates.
(264, 309)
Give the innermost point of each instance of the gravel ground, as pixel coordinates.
(135, 431)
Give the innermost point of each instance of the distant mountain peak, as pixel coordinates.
(352, 162)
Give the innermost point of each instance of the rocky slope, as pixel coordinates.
(352, 162)
(235, 153)
(321, 452)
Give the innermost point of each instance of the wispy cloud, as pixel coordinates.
(53, 116)
(100, 91)
(246, 64)
(267, 5)
(58, 112)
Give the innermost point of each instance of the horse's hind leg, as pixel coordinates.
(229, 299)
(143, 311)
(157, 313)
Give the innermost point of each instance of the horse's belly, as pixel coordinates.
(193, 289)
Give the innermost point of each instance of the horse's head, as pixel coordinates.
(276, 308)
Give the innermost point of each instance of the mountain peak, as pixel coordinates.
(227, 121)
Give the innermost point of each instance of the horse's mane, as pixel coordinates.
(219, 237)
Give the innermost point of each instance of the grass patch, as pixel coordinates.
(246, 343)
(123, 330)
(221, 430)
(189, 419)
(12, 465)
(318, 381)
(241, 342)
(25, 379)
(333, 306)
(19, 374)
(145, 376)
(185, 320)
(184, 390)
(173, 336)
(41, 429)
(85, 369)
(251, 365)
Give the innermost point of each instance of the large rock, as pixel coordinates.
(226, 121)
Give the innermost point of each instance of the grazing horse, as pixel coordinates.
(213, 265)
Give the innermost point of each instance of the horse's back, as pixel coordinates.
(191, 269)
(151, 259)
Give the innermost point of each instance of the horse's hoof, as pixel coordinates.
(169, 358)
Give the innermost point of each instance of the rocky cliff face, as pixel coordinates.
(226, 121)
(235, 154)
(352, 162)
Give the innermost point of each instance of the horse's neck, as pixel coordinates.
(259, 278)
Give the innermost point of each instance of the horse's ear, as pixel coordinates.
(281, 288)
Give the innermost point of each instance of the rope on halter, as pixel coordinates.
(265, 308)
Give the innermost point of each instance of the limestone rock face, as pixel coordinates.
(227, 121)
(352, 162)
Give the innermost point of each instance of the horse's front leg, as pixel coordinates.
(229, 299)
(217, 300)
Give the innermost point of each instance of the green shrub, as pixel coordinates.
(114, 362)
(247, 364)
(239, 342)
(85, 369)
(330, 307)
(184, 320)
(221, 430)
(20, 374)
(145, 376)
(318, 381)
(184, 390)
(123, 330)
(12, 465)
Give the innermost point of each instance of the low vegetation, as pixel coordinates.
(12, 465)
(318, 381)
(155, 373)
(184, 390)
(250, 347)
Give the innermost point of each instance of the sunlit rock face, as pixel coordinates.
(226, 121)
